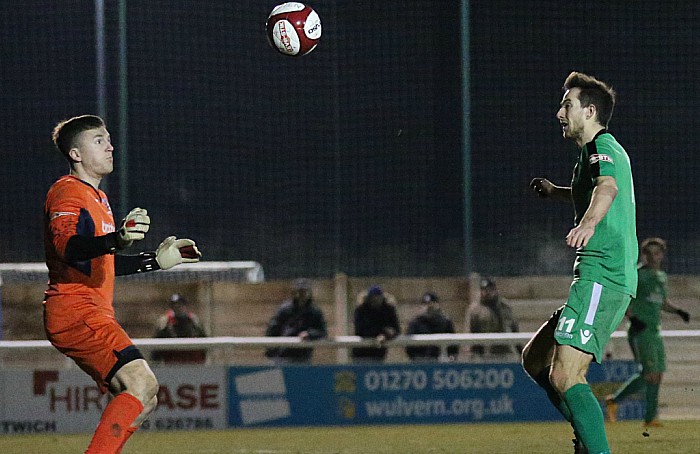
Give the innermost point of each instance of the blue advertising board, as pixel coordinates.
(426, 393)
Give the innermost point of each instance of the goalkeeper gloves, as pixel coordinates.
(133, 227)
(683, 314)
(172, 252)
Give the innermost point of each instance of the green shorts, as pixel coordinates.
(648, 350)
(589, 317)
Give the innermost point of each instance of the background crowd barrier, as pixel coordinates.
(337, 342)
(216, 395)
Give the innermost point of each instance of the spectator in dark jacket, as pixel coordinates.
(178, 321)
(492, 314)
(376, 318)
(298, 317)
(431, 321)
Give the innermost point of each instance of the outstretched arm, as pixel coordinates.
(668, 307)
(170, 253)
(546, 189)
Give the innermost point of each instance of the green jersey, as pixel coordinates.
(651, 294)
(610, 257)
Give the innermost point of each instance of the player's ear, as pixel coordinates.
(591, 112)
(74, 154)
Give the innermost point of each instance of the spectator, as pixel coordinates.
(178, 321)
(431, 321)
(491, 314)
(375, 318)
(299, 317)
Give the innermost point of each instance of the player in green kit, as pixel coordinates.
(605, 274)
(643, 334)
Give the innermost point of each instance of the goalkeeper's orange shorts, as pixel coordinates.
(97, 344)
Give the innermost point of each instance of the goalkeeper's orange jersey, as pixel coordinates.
(74, 207)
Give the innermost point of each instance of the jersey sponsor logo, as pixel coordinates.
(600, 158)
(586, 336)
(107, 227)
(105, 202)
(58, 214)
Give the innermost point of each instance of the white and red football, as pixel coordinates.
(293, 29)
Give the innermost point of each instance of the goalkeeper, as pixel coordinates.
(80, 242)
(643, 334)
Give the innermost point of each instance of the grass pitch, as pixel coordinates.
(546, 438)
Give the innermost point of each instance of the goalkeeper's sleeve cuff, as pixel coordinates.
(114, 242)
(133, 264)
(148, 262)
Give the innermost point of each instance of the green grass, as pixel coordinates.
(546, 438)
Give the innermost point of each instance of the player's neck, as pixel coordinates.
(92, 180)
(589, 134)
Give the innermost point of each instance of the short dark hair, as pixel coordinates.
(654, 241)
(67, 131)
(593, 91)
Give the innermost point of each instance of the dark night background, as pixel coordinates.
(351, 158)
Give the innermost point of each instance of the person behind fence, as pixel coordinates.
(300, 317)
(432, 320)
(643, 334)
(83, 248)
(491, 314)
(179, 321)
(375, 318)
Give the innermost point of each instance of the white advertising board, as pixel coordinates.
(68, 401)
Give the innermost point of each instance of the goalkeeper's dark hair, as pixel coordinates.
(66, 132)
(595, 92)
(655, 241)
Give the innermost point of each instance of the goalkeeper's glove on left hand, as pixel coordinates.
(133, 227)
(683, 314)
(172, 252)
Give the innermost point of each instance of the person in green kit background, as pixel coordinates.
(643, 334)
(605, 271)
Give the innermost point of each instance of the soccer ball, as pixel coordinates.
(293, 29)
